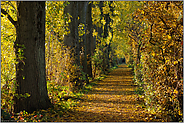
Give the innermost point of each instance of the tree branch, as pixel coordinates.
(177, 5)
(9, 17)
(151, 35)
(164, 23)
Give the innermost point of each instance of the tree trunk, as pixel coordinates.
(109, 47)
(69, 38)
(77, 47)
(89, 40)
(93, 43)
(100, 29)
(72, 39)
(106, 48)
(83, 15)
(100, 36)
(30, 54)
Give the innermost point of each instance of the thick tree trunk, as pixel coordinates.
(83, 15)
(30, 54)
(76, 22)
(89, 40)
(69, 38)
(72, 39)
(106, 48)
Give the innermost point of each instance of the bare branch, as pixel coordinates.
(10, 3)
(9, 17)
(164, 23)
(151, 35)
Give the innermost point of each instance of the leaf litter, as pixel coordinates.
(111, 100)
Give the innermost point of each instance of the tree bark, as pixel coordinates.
(69, 38)
(30, 56)
(106, 48)
(83, 15)
(100, 29)
(89, 40)
(72, 39)
(113, 63)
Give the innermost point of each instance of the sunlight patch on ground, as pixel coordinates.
(111, 100)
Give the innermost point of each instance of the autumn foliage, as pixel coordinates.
(149, 35)
(157, 47)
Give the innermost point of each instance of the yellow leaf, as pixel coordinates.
(175, 91)
(175, 62)
(168, 36)
(153, 54)
(165, 68)
(180, 113)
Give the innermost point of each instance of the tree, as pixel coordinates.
(72, 38)
(77, 19)
(30, 56)
(89, 40)
(100, 35)
(161, 55)
(83, 18)
(107, 29)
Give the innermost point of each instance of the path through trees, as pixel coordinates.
(111, 100)
(53, 51)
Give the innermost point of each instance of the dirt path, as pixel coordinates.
(111, 100)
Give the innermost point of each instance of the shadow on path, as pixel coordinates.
(111, 100)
